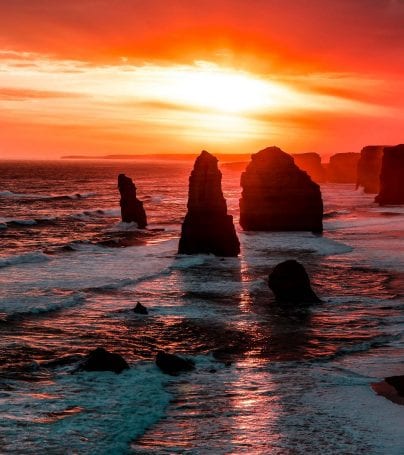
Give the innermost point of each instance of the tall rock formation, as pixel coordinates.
(311, 163)
(342, 168)
(131, 208)
(392, 176)
(207, 228)
(278, 196)
(369, 167)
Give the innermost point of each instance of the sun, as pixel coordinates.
(223, 90)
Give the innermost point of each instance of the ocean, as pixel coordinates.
(268, 379)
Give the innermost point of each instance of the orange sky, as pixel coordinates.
(118, 76)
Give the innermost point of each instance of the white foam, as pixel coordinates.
(38, 196)
(109, 411)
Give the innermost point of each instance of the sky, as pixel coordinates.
(96, 77)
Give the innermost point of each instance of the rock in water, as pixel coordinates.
(290, 283)
(311, 163)
(278, 196)
(207, 228)
(140, 309)
(342, 168)
(392, 176)
(131, 208)
(369, 166)
(173, 364)
(101, 360)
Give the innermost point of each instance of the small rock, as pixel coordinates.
(140, 309)
(101, 360)
(173, 364)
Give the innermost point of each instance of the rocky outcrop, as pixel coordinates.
(101, 360)
(392, 176)
(311, 163)
(369, 166)
(278, 196)
(173, 364)
(342, 168)
(391, 388)
(207, 228)
(131, 208)
(290, 283)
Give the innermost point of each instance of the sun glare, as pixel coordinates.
(224, 90)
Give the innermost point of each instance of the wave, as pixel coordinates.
(32, 305)
(40, 197)
(24, 258)
(125, 406)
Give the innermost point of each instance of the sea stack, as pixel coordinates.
(310, 163)
(392, 176)
(131, 208)
(369, 166)
(342, 168)
(278, 196)
(207, 228)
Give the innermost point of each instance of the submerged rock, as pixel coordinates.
(140, 309)
(369, 167)
(207, 228)
(278, 196)
(342, 168)
(392, 176)
(310, 163)
(173, 364)
(290, 283)
(131, 208)
(101, 360)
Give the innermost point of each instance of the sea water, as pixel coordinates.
(268, 380)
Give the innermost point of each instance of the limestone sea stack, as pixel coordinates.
(131, 208)
(278, 196)
(392, 176)
(369, 166)
(342, 168)
(311, 163)
(207, 228)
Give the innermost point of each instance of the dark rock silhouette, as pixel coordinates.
(369, 167)
(310, 163)
(207, 228)
(278, 196)
(290, 283)
(392, 176)
(140, 309)
(101, 360)
(131, 208)
(173, 364)
(342, 168)
(391, 388)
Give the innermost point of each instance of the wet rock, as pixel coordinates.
(207, 228)
(392, 176)
(369, 167)
(342, 168)
(101, 360)
(311, 163)
(391, 388)
(290, 283)
(61, 361)
(140, 309)
(278, 196)
(173, 364)
(131, 208)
